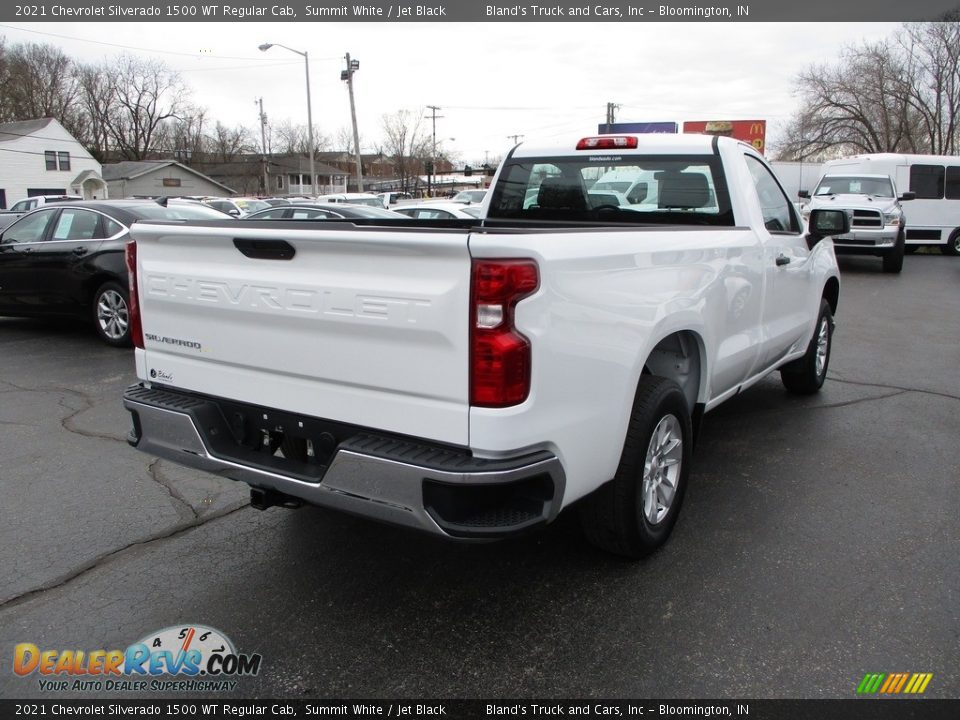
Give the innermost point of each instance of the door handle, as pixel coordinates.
(782, 260)
(80, 250)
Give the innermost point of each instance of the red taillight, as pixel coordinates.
(499, 355)
(608, 142)
(133, 304)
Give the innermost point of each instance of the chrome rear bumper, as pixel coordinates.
(396, 480)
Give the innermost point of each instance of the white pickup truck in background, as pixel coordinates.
(473, 378)
(877, 223)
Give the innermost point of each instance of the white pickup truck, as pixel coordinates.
(473, 378)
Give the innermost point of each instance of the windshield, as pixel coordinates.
(836, 185)
(252, 206)
(664, 189)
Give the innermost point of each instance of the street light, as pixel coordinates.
(306, 62)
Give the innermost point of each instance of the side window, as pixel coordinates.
(927, 181)
(111, 227)
(76, 225)
(32, 228)
(50, 158)
(953, 183)
(778, 215)
(309, 214)
(271, 214)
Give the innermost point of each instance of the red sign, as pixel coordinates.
(749, 131)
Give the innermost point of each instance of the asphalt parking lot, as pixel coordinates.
(819, 541)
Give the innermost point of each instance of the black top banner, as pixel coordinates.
(603, 11)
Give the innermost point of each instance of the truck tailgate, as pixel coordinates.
(363, 325)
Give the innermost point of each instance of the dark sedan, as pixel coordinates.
(68, 260)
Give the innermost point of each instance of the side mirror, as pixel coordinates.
(908, 196)
(234, 212)
(826, 223)
(804, 194)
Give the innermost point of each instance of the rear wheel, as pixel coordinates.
(953, 245)
(633, 514)
(805, 375)
(111, 318)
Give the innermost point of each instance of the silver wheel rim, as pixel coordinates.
(823, 345)
(112, 314)
(956, 242)
(661, 469)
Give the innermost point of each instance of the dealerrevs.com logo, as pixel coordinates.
(187, 658)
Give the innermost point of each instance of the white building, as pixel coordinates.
(39, 157)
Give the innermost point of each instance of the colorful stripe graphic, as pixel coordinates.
(894, 683)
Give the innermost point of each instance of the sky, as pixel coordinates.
(490, 80)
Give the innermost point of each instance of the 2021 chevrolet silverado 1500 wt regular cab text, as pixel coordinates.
(473, 378)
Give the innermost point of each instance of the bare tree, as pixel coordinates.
(407, 144)
(38, 81)
(184, 135)
(933, 52)
(288, 137)
(144, 93)
(226, 143)
(899, 95)
(94, 100)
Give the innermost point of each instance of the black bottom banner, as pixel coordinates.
(860, 709)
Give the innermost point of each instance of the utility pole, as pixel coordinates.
(516, 138)
(433, 151)
(611, 115)
(263, 139)
(347, 75)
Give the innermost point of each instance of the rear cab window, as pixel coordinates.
(629, 189)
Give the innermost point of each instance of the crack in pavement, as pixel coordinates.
(895, 387)
(67, 423)
(96, 562)
(175, 494)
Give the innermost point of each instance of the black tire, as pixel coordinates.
(805, 375)
(111, 317)
(893, 261)
(615, 516)
(953, 244)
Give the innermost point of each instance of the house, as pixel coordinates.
(159, 178)
(287, 174)
(39, 157)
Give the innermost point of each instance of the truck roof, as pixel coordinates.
(647, 144)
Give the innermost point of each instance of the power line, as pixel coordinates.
(138, 49)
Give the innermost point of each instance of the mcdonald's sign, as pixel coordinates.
(753, 132)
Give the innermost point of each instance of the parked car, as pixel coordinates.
(392, 198)
(353, 199)
(67, 260)
(470, 196)
(7, 218)
(237, 207)
(32, 203)
(324, 211)
(440, 211)
(877, 223)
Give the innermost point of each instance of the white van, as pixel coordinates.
(933, 216)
